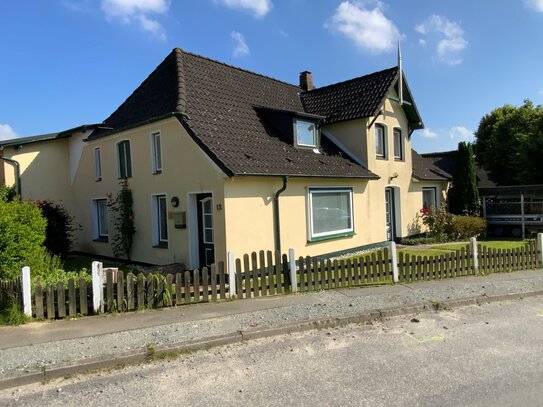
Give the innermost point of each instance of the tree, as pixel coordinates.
(464, 196)
(509, 144)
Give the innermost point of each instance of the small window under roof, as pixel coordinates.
(305, 133)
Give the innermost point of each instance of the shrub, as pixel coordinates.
(465, 227)
(22, 233)
(123, 218)
(7, 194)
(445, 227)
(60, 228)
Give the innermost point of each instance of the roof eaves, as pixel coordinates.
(369, 177)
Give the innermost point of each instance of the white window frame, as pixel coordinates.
(430, 189)
(98, 164)
(334, 233)
(158, 241)
(96, 228)
(117, 152)
(397, 130)
(315, 134)
(156, 152)
(385, 137)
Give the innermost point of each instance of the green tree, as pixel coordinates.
(509, 144)
(464, 196)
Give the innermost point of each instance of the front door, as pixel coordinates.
(389, 214)
(205, 230)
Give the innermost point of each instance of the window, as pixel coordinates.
(305, 133)
(156, 150)
(429, 198)
(100, 221)
(398, 146)
(160, 216)
(380, 141)
(98, 164)
(124, 162)
(330, 212)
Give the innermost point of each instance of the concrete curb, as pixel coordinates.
(164, 351)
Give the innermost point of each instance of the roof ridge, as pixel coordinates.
(348, 80)
(181, 93)
(151, 75)
(434, 153)
(235, 67)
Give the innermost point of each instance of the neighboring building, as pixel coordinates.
(222, 159)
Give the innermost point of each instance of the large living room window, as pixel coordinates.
(330, 212)
(305, 133)
(380, 141)
(100, 221)
(124, 161)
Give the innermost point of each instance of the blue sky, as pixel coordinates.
(70, 62)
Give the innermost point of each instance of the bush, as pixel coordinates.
(22, 233)
(465, 227)
(445, 227)
(7, 194)
(60, 228)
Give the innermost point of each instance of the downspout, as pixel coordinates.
(17, 173)
(277, 225)
(276, 222)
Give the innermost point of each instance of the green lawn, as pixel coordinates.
(493, 244)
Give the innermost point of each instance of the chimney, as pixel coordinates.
(306, 80)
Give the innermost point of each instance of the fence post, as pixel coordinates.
(27, 296)
(394, 260)
(540, 248)
(231, 275)
(292, 268)
(97, 287)
(474, 254)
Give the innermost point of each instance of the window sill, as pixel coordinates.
(156, 172)
(101, 239)
(399, 159)
(330, 237)
(381, 158)
(160, 246)
(98, 179)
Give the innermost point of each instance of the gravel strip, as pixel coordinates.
(332, 303)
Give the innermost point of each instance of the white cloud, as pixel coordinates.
(367, 27)
(241, 49)
(428, 133)
(259, 8)
(80, 6)
(460, 132)
(449, 36)
(422, 41)
(283, 33)
(7, 132)
(128, 11)
(537, 5)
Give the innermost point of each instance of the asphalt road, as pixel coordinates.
(490, 355)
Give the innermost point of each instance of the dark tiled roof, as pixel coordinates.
(352, 99)
(446, 162)
(425, 169)
(222, 111)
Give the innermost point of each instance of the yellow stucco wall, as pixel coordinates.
(185, 169)
(45, 171)
(249, 215)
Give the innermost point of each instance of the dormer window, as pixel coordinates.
(305, 133)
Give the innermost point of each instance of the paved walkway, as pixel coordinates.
(42, 350)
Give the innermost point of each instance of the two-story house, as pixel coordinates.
(222, 159)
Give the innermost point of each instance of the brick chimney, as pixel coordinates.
(306, 80)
